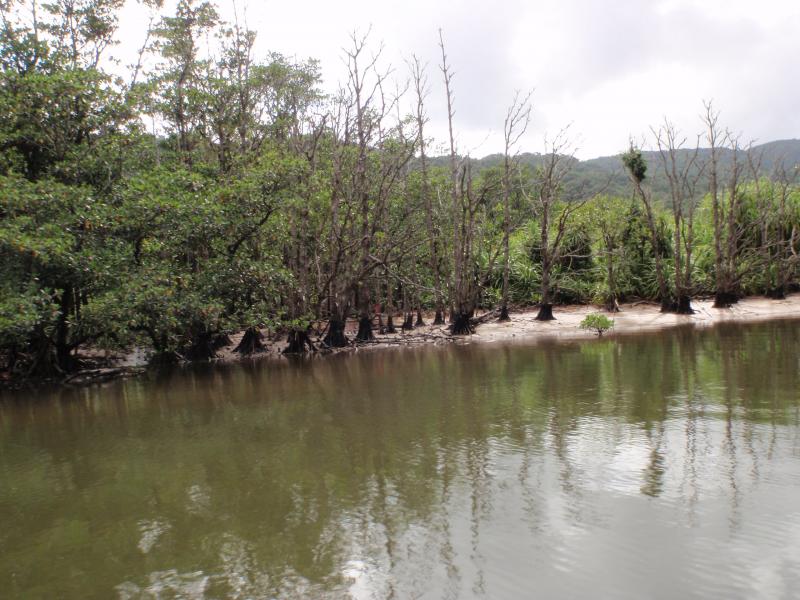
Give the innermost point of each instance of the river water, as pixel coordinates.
(658, 466)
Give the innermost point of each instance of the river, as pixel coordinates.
(664, 465)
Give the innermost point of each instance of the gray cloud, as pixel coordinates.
(610, 67)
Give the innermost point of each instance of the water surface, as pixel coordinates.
(657, 466)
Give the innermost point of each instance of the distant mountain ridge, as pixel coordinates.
(607, 173)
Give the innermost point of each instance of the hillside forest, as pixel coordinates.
(205, 190)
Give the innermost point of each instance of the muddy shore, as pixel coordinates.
(633, 318)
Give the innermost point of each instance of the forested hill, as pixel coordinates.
(606, 172)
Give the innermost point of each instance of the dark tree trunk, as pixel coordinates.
(667, 305)
(390, 324)
(778, 293)
(63, 351)
(612, 305)
(420, 322)
(66, 362)
(684, 305)
(461, 324)
(298, 342)
(725, 299)
(251, 342)
(365, 330)
(439, 318)
(335, 337)
(545, 313)
(202, 347)
(43, 362)
(504, 314)
(408, 322)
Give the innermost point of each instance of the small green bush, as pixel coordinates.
(598, 322)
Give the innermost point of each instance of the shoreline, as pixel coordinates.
(633, 318)
(637, 317)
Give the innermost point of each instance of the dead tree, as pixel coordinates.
(553, 213)
(467, 200)
(434, 233)
(682, 175)
(515, 125)
(462, 292)
(724, 186)
(369, 158)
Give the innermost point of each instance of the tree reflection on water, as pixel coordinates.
(475, 471)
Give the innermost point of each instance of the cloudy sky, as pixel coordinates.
(608, 69)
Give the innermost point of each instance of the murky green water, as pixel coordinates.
(658, 466)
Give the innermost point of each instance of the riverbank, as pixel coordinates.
(635, 318)
(638, 317)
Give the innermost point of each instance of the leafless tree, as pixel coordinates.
(725, 189)
(682, 175)
(431, 221)
(462, 283)
(554, 215)
(369, 157)
(516, 124)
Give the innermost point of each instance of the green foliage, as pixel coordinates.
(597, 322)
(635, 164)
(112, 237)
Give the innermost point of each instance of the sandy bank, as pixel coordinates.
(633, 318)
(523, 326)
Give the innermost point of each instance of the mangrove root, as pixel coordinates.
(251, 342)
(298, 342)
(462, 324)
(335, 337)
(545, 313)
(725, 299)
(365, 330)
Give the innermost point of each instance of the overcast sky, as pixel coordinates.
(609, 69)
